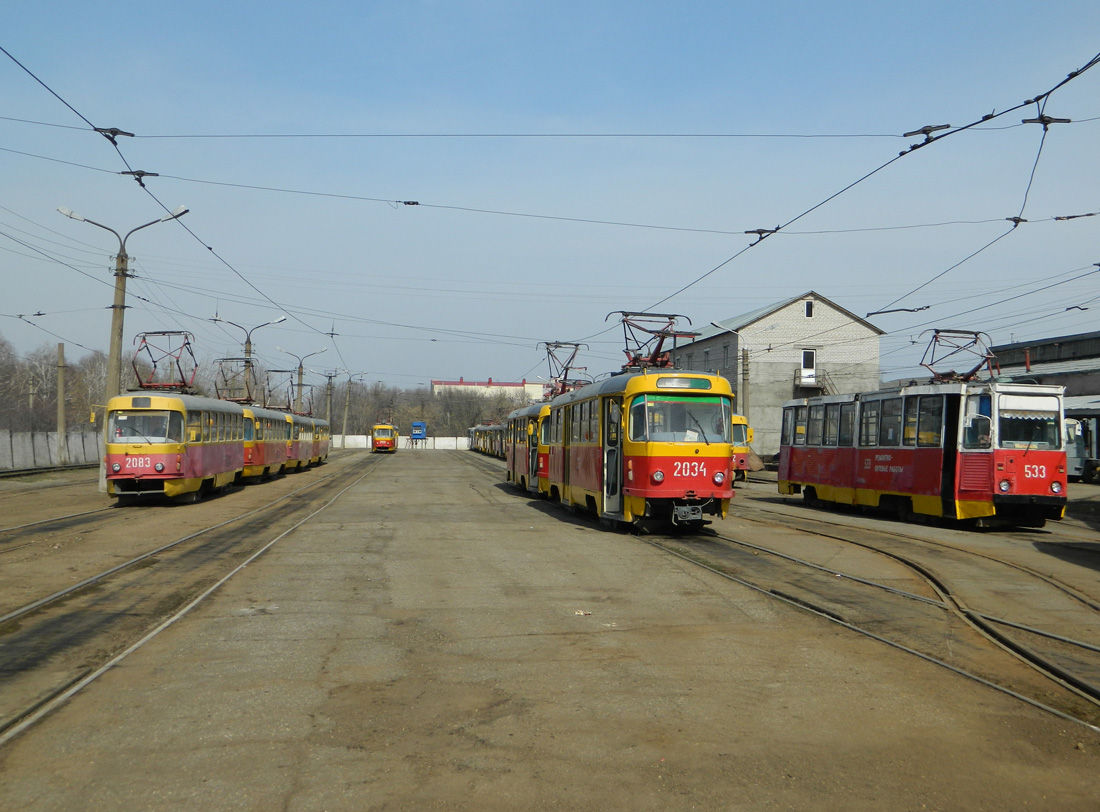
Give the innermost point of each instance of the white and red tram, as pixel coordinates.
(984, 451)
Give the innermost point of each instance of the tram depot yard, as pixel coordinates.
(427, 637)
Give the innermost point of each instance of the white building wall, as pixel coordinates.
(847, 360)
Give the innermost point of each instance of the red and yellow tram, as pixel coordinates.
(488, 439)
(173, 445)
(384, 437)
(266, 441)
(308, 442)
(653, 444)
(526, 454)
(983, 451)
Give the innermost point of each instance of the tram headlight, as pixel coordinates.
(1004, 486)
(658, 476)
(1056, 487)
(159, 467)
(116, 467)
(719, 478)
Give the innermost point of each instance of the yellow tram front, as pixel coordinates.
(645, 445)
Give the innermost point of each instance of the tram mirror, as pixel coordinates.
(749, 434)
(530, 429)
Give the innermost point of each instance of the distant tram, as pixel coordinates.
(384, 437)
(987, 452)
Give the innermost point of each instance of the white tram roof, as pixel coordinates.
(934, 388)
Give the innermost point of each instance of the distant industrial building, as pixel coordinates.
(1071, 361)
(800, 347)
(522, 391)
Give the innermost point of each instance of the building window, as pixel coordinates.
(706, 360)
(725, 356)
(810, 309)
(809, 359)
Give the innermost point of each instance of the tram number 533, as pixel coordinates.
(1035, 472)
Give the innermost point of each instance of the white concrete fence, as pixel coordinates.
(20, 450)
(23, 450)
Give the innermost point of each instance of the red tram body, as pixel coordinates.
(181, 446)
(174, 445)
(983, 451)
(654, 444)
(266, 442)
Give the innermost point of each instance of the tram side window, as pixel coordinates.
(194, 427)
(253, 431)
(787, 430)
(637, 420)
(909, 423)
(847, 434)
(889, 428)
(868, 422)
(800, 425)
(930, 422)
(832, 424)
(574, 422)
(817, 422)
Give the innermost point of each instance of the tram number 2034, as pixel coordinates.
(689, 468)
(1035, 472)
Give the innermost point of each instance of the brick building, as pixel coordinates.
(800, 347)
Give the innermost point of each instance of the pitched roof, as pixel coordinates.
(738, 323)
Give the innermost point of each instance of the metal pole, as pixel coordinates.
(298, 401)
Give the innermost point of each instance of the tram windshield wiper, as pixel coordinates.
(695, 420)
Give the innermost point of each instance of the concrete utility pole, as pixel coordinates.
(249, 376)
(347, 402)
(114, 358)
(62, 430)
(301, 373)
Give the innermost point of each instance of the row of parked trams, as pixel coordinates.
(666, 445)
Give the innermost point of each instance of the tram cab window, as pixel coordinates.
(978, 422)
(145, 427)
(680, 419)
(1029, 421)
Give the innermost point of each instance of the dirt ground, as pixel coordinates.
(434, 640)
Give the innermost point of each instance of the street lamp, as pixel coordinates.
(114, 359)
(248, 346)
(301, 372)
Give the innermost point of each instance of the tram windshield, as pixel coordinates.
(740, 435)
(680, 419)
(145, 426)
(383, 432)
(1029, 421)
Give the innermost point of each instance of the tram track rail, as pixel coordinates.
(51, 645)
(1065, 671)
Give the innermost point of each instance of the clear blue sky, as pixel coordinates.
(570, 159)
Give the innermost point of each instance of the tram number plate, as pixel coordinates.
(1035, 472)
(689, 468)
(139, 462)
